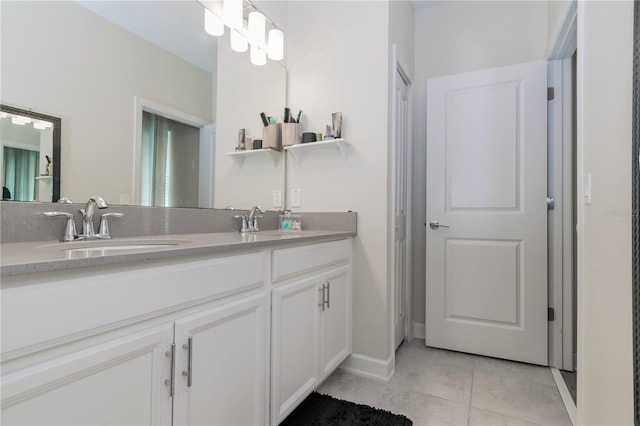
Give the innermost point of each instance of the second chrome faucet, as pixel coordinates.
(88, 231)
(249, 223)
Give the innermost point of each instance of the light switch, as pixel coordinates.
(295, 198)
(277, 198)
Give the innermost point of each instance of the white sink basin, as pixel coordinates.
(101, 247)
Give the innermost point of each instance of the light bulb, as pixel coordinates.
(275, 45)
(42, 125)
(258, 55)
(213, 24)
(232, 13)
(238, 42)
(256, 28)
(3, 115)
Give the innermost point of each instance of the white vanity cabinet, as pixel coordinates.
(117, 382)
(104, 344)
(311, 320)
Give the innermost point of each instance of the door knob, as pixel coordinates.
(434, 224)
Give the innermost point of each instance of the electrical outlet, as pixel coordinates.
(295, 198)
(277, 198)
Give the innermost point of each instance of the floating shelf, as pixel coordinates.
(299, 151)
(265, 152)
(44, 177)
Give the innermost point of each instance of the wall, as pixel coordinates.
(605, 373)
(58, 58)
(461, 36)
(337, 60)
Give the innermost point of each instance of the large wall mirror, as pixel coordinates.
(635, 177)
(102, 67)
(29, 155)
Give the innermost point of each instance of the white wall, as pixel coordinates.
(244, 91)
(58, 58)
(605, 366)
(460, 36)
(337, 60)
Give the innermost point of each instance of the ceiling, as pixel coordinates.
(176, 26)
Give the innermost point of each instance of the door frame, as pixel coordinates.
(396, 68)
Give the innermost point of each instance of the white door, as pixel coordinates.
(336, 319)
(123, 381)
(486, 186)
(400, 161)
(221, 371)
(295, 345)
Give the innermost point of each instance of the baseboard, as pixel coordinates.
(366, 366)
(569, 405)
(419, 330)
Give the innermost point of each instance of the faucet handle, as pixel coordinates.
(70, 232)
(104, 225)
(244, 227)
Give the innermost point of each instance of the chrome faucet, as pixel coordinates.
(253, 218)
(88, 231)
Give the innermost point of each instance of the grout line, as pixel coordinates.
(569, 405)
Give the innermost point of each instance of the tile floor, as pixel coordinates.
(439, 387)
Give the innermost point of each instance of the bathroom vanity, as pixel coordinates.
(220, 328)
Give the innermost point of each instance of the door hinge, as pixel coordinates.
(551, 93)
(551, 314)
(551, 203)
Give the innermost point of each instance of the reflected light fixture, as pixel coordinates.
(258, 55)
(3, 115)
(42, 125)
(238, 42)
(275, 45)
(213, 24)
(20, 120)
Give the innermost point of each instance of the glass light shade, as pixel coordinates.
(258, 55)
(238, 42)
(213, 24)
(275, 45)
(3, 115)
(42, 125)
(256, 28)
(232, 13)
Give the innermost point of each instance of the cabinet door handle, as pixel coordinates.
(322, 301)
(328, 295)
(173, 368)
(189, 347)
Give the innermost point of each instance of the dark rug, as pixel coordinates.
(323, 410)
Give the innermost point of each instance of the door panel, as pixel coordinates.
(486, 184)
(336, 320)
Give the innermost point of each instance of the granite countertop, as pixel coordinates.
(45, 256)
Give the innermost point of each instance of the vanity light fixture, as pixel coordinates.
(275, 45)
(232, 13)
(238, 42)
(3, 115)
(244, 32)
(213, 24)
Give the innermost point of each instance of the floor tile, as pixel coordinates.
(424, 410)
(478, 417)
(350, 387)
(515, 370)
(514, 396)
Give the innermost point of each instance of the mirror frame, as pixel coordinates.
(57, 143)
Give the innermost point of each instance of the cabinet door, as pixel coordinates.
(295, 364)
(336, 319)
(119, 382)
(221, 365)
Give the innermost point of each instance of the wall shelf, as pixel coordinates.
(44, 177)
(300, 151)
(252, 153)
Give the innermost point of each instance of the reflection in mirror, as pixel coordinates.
(108, 56)
(29, 155)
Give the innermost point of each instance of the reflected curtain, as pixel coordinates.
(170, 162)
(20, 171)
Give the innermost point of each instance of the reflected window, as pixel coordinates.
(170, 162)
(20, 171)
